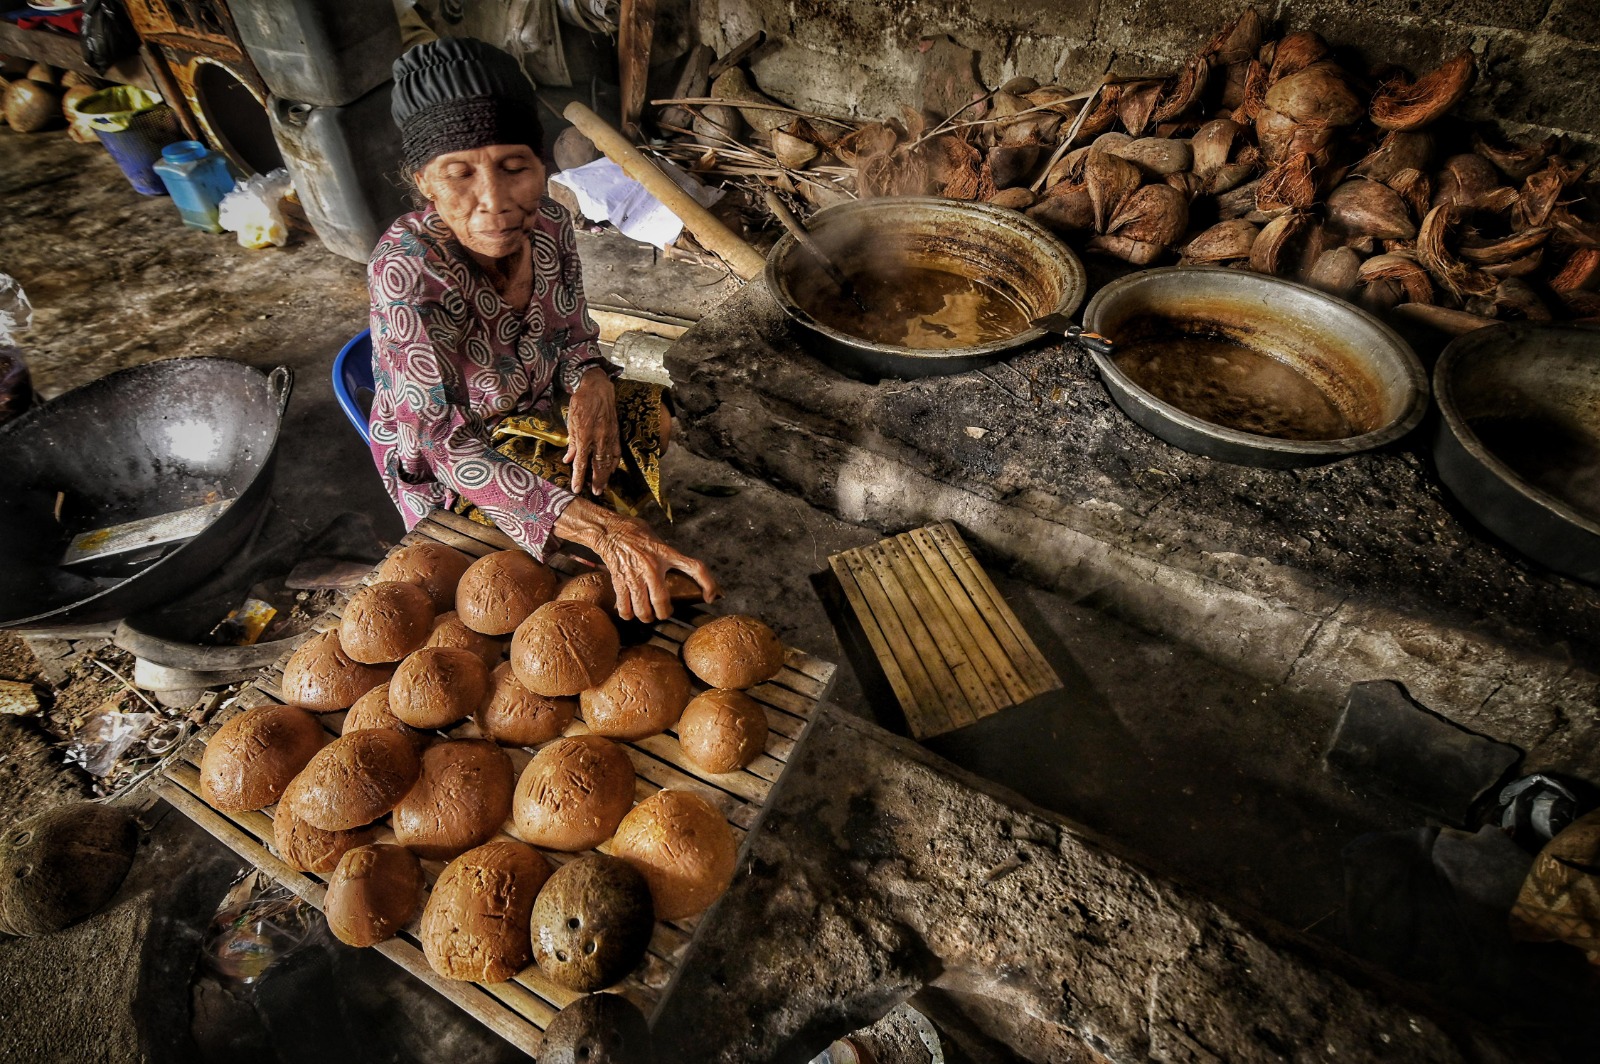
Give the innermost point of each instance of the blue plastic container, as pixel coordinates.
(196, 178)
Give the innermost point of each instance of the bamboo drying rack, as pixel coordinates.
(520, 1008)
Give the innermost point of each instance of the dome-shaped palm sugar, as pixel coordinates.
(499, 590)
(644, 695)
(733, 652)
(564, 648)
(385, 621)
(433, 567)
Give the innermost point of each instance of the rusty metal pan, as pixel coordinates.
(1518, 442)
(1361, 365)
(1002, 248)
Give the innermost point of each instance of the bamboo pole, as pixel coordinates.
(715, 237)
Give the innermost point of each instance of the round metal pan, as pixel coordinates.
(1518, 442)
(1364, 368)
(142, 442)
(1002, 248)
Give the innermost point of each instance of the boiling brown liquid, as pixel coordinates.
(1559, 459)
(909, 306)
(1230, 385)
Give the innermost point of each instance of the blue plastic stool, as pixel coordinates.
(352, 381)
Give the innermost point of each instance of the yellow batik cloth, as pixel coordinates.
(537, 441)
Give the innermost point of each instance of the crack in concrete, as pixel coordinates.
(1311, 638)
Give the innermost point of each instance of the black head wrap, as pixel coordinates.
(456, 94)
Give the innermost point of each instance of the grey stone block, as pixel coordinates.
(1578, 19)
(1387, 742)
(1545, 81)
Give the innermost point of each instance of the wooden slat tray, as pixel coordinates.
(520, 1008)
(950, 647)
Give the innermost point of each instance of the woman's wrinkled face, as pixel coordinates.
(487, 196)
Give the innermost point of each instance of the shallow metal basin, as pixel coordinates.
(1518, 442)
(1362, 367)
(1005, 250)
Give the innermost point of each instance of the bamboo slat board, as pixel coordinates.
(520, 1008)
(950, 647)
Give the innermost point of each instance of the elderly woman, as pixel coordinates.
(492, 397)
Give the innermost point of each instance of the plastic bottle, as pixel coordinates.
(196, 178)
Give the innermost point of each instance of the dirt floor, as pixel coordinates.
(1148, 744)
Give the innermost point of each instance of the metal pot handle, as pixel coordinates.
(1062, 325)
(280, 382)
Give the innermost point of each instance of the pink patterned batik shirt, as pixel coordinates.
(450, 358)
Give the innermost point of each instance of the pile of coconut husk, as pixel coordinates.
(42, 98)
(1268, 153)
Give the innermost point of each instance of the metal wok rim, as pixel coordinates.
(1464, 347)
(1075, 280)
(1398, 427)
(68, 612)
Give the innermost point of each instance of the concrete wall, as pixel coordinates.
(1538, 60)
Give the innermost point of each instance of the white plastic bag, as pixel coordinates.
(253, 210)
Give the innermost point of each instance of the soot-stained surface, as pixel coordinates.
(1041, 432)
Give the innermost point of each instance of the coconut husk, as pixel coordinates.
(792, 152)
(1501, 200)
(1488, 251)
(1238, 40)
(1414, 188)
(1319, 93)
(1401, 269)
(1571, 229)
(1013, 165)
(1053, 97)
(1238, 202)
(1335, 272)
(1013, 199)
(1186, 183)
(1514, 300)
(1542, 191)
(1380, 297)
(1360, 207)
(1463, 180)
(896, 174)
(1069, 167)
(59, 866)
(32, 106)
(952, 164)
(1291, 186)
(1581, 304)
(1223, 242)
(1295, 52)
(1110, 180)
(872, 139)
(1137, 105)
(1212, 146)
(1065, 208)
(1228, 178)
(1156, 157)
(1516, 161)
(1581, 271)
(1401, 104)
(1233, 81)
(1269, 253)
(1443, 319)
(1281, 136)
(1183, 92)
(1154, 214)
(734, 86)
(1127, 249)
(1398, 151)
(1449, 272)
(1106, 108)
(1254, 93)
(1519, 267)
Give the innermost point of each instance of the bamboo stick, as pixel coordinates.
(715, 237)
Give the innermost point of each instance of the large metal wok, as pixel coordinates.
(1518, 441)
(144, 442)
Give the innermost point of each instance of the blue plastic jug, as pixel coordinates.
(196, 178)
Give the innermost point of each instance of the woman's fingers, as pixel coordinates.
(578, 458)
(698, 571)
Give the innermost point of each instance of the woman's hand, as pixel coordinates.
(637, 558)
(595, 447)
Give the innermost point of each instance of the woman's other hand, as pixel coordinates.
(595, 447)
(637, 558)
